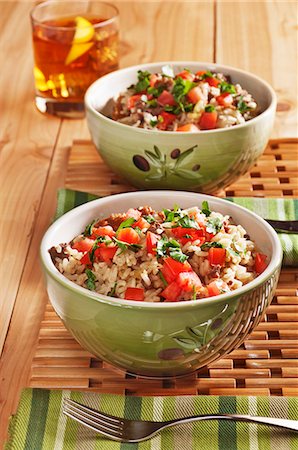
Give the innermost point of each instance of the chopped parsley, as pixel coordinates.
(227, 87)
(150, 219)
(154, 122)
(90, 282)
(207, 74)
(113, 290)
(209, 245)
(214, 225)
(242, 106)
(209, 108)
(187, 222)
(143, 81)
(162, 278)
(125, 246)
(156, 91)
(126, 223)
(88, 229)
(153, 103)
(98, 240)
(180, 90)
(205, 208)
(170, 247)
(178, 255)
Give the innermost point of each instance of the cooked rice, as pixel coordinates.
(139, 269)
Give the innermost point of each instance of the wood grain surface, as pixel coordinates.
(256, 36)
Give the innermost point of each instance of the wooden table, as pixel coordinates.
(256, 36)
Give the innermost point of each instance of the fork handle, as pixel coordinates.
(277, 422)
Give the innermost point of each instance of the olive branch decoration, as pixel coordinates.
(163, 167)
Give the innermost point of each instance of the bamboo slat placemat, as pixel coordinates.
(267, 362)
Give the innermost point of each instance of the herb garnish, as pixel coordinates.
(207, 74)
(125, 246)
(209, 245)
(90, 282)
(187, 222)
(205, 208)
(156, 91)
(242, 106)
(170, 247)
(143, 82)
(209, 108)
(126, 224)
(214, 225)
(98, 240)
(112, 292)
(150, 219)
(162, 278)
(227, 87)
(88, 229)
(181, 89)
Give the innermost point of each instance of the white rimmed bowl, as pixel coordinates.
(163, 339)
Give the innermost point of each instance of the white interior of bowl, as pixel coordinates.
(98, 96)
(74, 222)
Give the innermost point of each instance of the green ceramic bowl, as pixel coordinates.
(209, 160)
(159, 339)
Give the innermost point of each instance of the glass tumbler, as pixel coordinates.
(74, 43)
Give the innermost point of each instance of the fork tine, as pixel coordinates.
(98, 427)
(88, 414)
(107, 420)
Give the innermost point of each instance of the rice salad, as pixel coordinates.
(186, 101)
(155, 256)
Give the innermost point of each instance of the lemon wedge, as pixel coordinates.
(81, 40)
(40, 79)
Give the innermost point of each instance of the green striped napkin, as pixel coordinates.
(39, 423)
(272, 208)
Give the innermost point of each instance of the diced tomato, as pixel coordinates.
(212, 81)
(171, 293)
(151, 242)
(200, 73)
(194, 94)
(103, 231)
(84, 245)
(189, 234)
(132, 293)
(141, 223)
(188, 127)
(189, 281)
(186, 75)
(167, 119)
(225, 99)
(217, 256)
(217, 287)
(131, 101)
(260, 263)
(171, 268)
(86, 259)
(133, 213)
(166, 98)
(208, 120)
(128, 235)
(153, 79)
(106, 253)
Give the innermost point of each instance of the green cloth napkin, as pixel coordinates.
(272, 208)
(39, 423)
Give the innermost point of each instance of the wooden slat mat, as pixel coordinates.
(267, 362)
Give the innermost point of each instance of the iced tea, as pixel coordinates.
(71, 52)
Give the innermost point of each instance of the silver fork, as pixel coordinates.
(125, 430)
